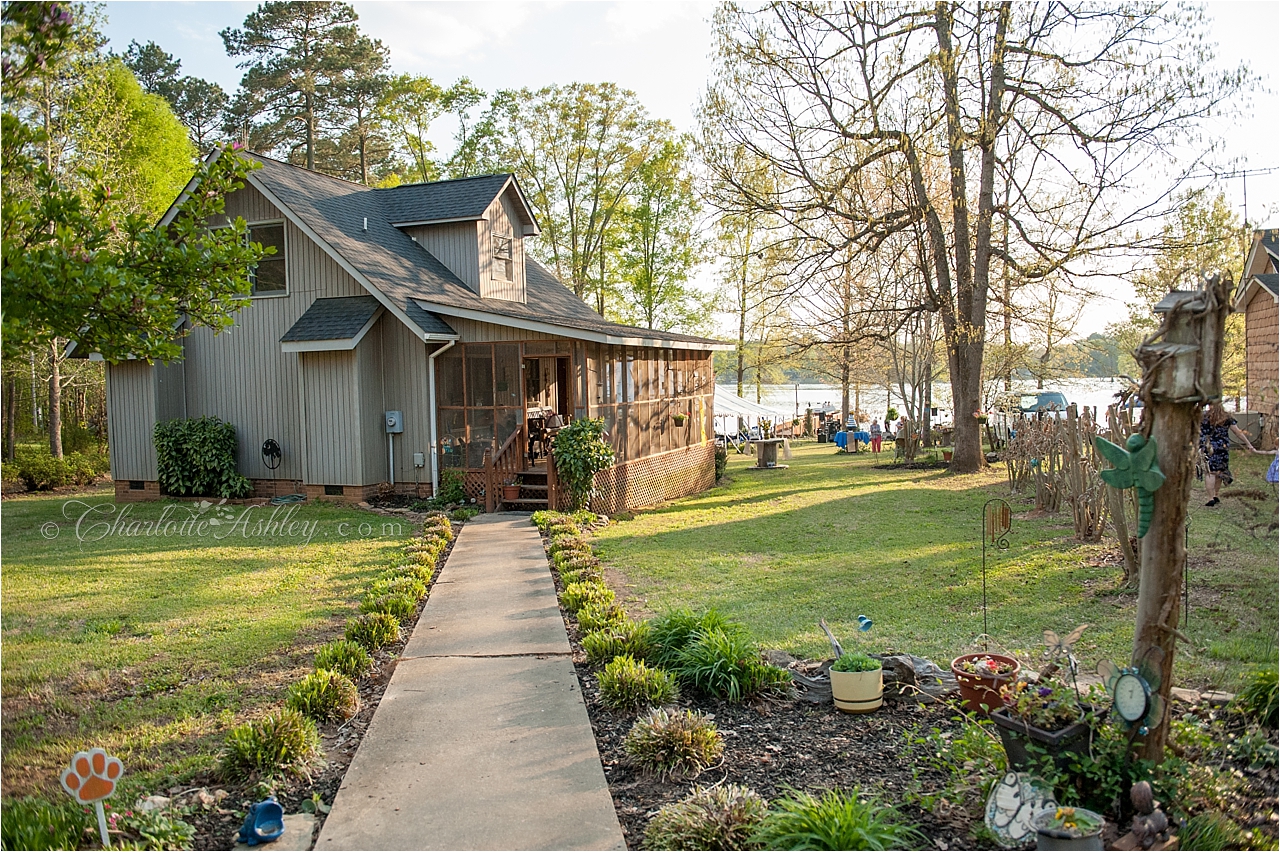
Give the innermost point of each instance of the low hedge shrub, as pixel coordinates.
(401, 607)
(597, 616)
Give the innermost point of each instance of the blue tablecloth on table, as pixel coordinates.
(842, 440)
(864, 437)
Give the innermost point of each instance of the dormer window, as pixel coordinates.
(503, 261)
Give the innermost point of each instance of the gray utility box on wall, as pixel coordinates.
(395, 422)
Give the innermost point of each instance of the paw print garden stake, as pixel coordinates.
(90, 778)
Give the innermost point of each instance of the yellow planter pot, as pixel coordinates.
(858, 692)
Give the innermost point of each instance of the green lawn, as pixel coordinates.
(152, 646)
(833, 537)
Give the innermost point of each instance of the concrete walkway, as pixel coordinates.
(482, 739)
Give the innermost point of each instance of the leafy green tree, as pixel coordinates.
(199, 104)
(82, 262)
(661, 244)
(578, 150)
(411, 104)
(295, 55)
(360, 89)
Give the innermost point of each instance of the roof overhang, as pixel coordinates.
(341, 344)
(527, 229)
(1248, 287)
(570, 331)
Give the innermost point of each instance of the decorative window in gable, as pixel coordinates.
(269, 277)
(503, 260)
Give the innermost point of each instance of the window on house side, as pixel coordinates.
(503, 262)
(269, 277)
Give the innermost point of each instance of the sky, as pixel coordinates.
(661, 51)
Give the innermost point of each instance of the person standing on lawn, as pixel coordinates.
(1216, 429)
(876, 435)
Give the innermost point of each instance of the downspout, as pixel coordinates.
(431, 401)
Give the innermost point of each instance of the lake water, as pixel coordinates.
(788, 400)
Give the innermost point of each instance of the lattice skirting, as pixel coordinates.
(653, 479)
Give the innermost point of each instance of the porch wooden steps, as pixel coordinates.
(533, 492)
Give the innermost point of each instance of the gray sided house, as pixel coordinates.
(417, 304)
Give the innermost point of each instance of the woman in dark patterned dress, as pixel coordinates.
(1216, 430)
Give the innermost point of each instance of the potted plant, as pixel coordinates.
(946, 455)
(679, 417)
(981, 677)
(857, 683)
(1048, 714)
(511, 489)
(1068, 828)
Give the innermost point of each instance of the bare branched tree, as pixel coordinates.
(1101, 105)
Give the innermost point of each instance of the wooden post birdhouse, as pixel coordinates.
(1184, 365)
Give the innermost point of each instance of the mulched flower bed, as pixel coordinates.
(774, 745)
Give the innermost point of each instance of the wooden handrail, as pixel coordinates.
(506, 463)
(553, 482)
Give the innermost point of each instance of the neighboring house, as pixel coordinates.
(417, 302)
(1256, 298)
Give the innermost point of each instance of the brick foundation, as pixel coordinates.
(150, 490)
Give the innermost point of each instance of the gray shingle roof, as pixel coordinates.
(466, 198)
(1269, 281)
(333, 319)
(404, 271)
(427, 321)
(1271, 241)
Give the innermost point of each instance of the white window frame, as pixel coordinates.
(273, 294)
(504, 265)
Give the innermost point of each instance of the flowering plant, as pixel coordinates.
(985, 666)
(1049, 706)
(1077, 821)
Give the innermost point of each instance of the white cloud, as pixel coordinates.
(419, 32)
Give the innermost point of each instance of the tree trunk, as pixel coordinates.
(10, 415)
(1174, 428)
(55, 402)
(844, 387)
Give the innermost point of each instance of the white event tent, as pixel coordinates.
(730, 407)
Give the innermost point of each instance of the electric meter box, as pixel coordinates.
(395, 422)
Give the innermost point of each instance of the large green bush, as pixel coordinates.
(38, 470)
(197, 457)
(581, 452)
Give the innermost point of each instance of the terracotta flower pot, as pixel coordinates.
(946, 455)
(858, 692)
(977, 688)
(511, 492)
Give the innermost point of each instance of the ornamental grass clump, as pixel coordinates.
(597, 616)
(574, 561)
(1260, 698)
(708, 818)
(673, 630)
(835, 821)
(374, 631)
(577, 595)
(346, 657)
(283, 743)
(324, 695)
(625, 638)
(628, 685)
(31, 823)
(673, 743)
(726, 664)
(400, 607)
